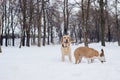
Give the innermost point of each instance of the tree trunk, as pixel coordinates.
(39, 16)
(5, 17)
(84, 29)
(24, 22)
(86, 33)
(117, 24)
(44, 19)
(48, 39)
(34, 36)
(52, 40)
(102, 21)
(13, 36)
(30, 23)
(0, 27)
(66, 17)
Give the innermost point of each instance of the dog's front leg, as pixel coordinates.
(89, 60)
(63, 58)
(92, 60)
(70, 58)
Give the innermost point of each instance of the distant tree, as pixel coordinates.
(44, 19)
(23, 8)
(39, 17)
(5, 21)
(107, 21)
(13, 13)
(117, 22)
(96, 20)
(0, 24)
(29, 23)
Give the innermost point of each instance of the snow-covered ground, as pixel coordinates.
(45, 63)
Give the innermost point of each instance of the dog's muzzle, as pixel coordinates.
(64, 46)
(66, 41)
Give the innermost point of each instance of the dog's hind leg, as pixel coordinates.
(89, 60)
(80, 58)
(92, 60)
(76, 59)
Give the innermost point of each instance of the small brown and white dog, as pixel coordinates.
(88, 53)
(66, 47)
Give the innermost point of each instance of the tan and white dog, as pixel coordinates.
(89, 53)
(66, 47)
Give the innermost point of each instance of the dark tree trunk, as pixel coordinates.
(109, 34)
(24, 21)
(13, 39)
(87, 17)
(6, 39)
(39, 16)
(28, 38)
(0, 27)
(52, 39)
(48, 41)
(23, 38)
(44, 19)
(34, 35)
(66, 17)
(102, 21)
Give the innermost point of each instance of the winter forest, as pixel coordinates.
(32, 46)
(44, 22)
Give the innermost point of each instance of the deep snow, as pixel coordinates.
(45, 63)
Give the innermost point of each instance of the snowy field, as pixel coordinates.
(45, 63)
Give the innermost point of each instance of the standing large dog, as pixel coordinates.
(89, 53)
(66, 47)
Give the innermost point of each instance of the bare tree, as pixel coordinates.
(39, 16)
(23, 8)
(87, 18)
(30, 14)
(102, 22)
(65, 12)
(44, 19)
(117, 23)
(85, 28)
(0, 23)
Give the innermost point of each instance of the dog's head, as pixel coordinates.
(66, 41)
(102, 56)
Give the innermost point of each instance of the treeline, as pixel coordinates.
(43, 22)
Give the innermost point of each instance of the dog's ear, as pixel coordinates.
(102, 53)
(71, 40)
(61, 39)
(102, 56)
